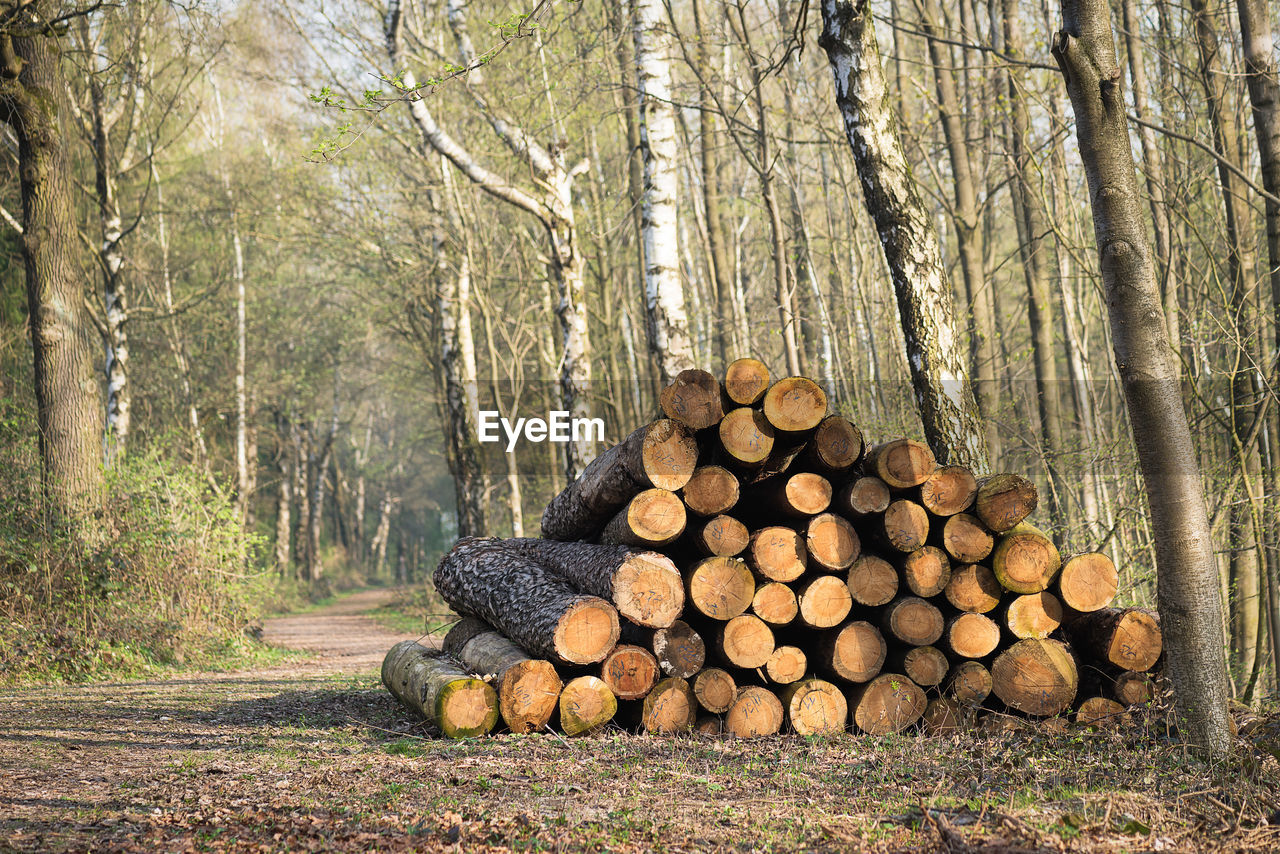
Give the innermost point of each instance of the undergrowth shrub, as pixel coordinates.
(160, 573)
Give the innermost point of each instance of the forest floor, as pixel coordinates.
(315, 755)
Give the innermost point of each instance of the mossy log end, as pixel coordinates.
(586, 704)
(527, 687)
(439, 690)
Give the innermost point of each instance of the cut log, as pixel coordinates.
(925, 665)
(586, 704)
(786, 664)
(531, 605)
(1025, 560)
(913, 621)
(814, 707)
(714, 689)
(721, 536)
(966, 539)
(527, 687)
(1036, 677)
(1101, 713)
(1133, 688)
(1004, 500)
(745, 641)
(693, 399)
(721, 587)
(971, 635)
(795, 405)
(835, 447)
(863, 497)
(669, 708)
(796, 496)
(651, 519)
(662, 454)
(1128, 638)
(872, 581)
(679, 649)
(1088, 582)
(974, 589)
(711, 490)
(755, 712)
(824, 601)
(746, 381)
(889, 703)
(968, 683)
(438, 690)
(831, 542)
(948, 490)
(775, 603)
(905, 525)
(902, 463)
(777, 553)
(1032, 615)
(854, 652)
(644, 586)
(942, 716)
(630, 671)
(746, 437)
(927, 571)
(709, 725)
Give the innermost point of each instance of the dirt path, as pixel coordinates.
(342, 638)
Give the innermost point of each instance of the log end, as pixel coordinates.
(586, 631)
(693, 399)
(1037, 677)
(795, 404)
(648, 590)
(745, 381)
(586, 704)
(467, 708)
(669, 454)
(755, 712)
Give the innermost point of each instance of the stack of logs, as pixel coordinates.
(748, 564)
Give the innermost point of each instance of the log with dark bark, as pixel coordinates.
(1032, 615)
(948, 490)
(966, 539)
(775, 603)
(794, 405)
(1087, 582)
(855, 652)
(651, 519)
(644, 586)
(662, 455)
(968, 683)
(755, 712)
(863, 497)
(531, 605)
(1128, 638)
(693, 399)
(913, 621)
(746, 641)
(1037, 677)
(872, 581)
(527, 687)
(721, 587)
(927, 571)
(439, 690)
(1004, 500)
(720, 536)
(586, 704)
(831, 542)
(904, 526)
(786, 664)
(824, 601)
(973, 588)
(814, 707)
(926, 666)
(745, 381)
(630, 671)
(889, 703)
(902, 463)
(711, 490)
(1025, 560)
(777, 553)
(835, 447)
(746, 438)
(971, 635)
(715, 690)
(669, 708)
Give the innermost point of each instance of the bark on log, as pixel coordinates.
(1037, 677)
(949, 490)
(745, 641)
(1033, 615)
(630, 671)
(974, 589)
(795, 405)
(651, 519)
(693, 399)
(527, 687)
(971, 635)
(913, 621)
(711, 490)
(831, 542)
(863, 497)
(715, 690)
(926, 666)
(721, 536)
(669, 708)
(721, 587)
(1025, 560)
(835, 447)
(755, 712)
(966, 539)
(872, 581)
(745, 381)
(644, 586)
(532, 606)
(777, 553)
(854, 652)
(1128, 638)
(786, 664)
(905, 525)
(902, 463)
(775, 603)
(889, 703)
(586, 704)
(746, 437)
(927, 571)
(440, 691)
(968, 683)
(824, 601)
(1004, 500)
(1088, 582)
(659, 455)
(814, 707)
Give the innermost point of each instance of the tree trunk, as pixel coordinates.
(1188, 590)
(926, 307)
(68, 405)
(458, 364)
